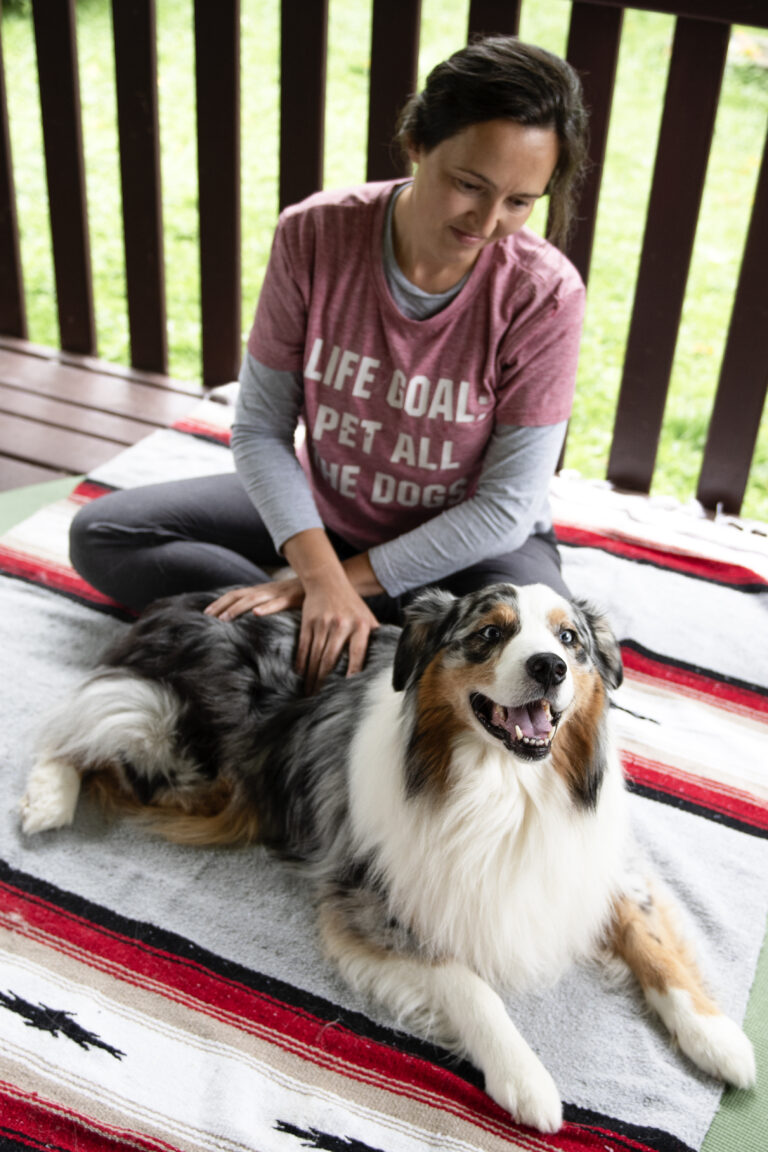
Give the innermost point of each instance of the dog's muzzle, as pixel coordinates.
(528, 730)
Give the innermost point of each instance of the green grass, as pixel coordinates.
(643, 62)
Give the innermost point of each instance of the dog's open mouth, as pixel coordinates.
(528, 731)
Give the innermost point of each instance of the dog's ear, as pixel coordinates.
(604, 647)
(426, 618)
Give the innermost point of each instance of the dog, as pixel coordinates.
(458, 805)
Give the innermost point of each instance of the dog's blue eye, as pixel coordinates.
(491, 632)
(567, 637)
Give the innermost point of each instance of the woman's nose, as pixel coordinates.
(486, 218)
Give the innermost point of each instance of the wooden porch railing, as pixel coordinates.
(693, 86)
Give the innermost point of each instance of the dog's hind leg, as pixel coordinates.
(450, 1004)
(50, 800)
(115, 722)
(643, 934)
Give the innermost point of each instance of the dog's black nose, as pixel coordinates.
(547, 669)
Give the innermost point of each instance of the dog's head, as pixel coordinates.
(520, 668)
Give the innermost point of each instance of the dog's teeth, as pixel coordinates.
(518, 732)
(498, 715)
(547, 709)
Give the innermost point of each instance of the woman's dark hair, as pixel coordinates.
(500, 78)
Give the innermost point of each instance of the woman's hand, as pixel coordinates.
(333, 618)
(330, 594)
(261, 599)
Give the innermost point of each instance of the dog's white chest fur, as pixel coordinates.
(503, 873)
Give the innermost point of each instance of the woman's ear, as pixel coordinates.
(412, 152)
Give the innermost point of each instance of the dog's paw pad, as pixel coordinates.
(531, 1096)
(51, 796)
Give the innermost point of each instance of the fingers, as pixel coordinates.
(322, 641)
(358, 646)
(261, 599)
(317, 657)
(330, 623)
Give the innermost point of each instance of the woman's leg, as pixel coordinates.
(536, 562)
(160, 539)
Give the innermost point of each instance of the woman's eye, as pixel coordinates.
(567, 637)
(465, 186)
(491, 632)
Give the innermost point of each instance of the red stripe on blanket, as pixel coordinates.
(326, 1043)
(38, 1123)
(59, 577)
(690, 565)
(708, 794)
(691, 682)
(89, 490)
(206, 431)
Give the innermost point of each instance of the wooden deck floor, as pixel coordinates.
(62, 415)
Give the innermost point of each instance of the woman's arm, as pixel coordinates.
(511, 496)
(268, 408)
(329, 593)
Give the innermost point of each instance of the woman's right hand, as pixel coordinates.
(333, 617)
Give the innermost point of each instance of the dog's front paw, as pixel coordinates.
(527, 1091)
(51, 796)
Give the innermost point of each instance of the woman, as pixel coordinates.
(429, 342)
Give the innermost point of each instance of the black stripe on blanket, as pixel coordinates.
(675, 800)
(696, 669)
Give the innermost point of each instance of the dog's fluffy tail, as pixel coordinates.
(119, 736)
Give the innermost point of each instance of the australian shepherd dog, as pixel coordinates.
(458, 805)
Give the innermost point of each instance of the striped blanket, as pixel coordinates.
(158, 997)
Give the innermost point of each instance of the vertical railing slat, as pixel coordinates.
(13, 318)
(394, 67)
(303, 56)
(593, 50)
(134, 26)
(493, 17)
(217, 60)
(743, 381)
(693, 87)
(55, 41)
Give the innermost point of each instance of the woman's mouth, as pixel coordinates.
(467, 239)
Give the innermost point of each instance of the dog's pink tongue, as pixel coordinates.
(532, 720)
(513, 719)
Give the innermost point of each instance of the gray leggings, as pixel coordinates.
(192, 535)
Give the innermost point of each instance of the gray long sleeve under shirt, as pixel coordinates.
(510, 501)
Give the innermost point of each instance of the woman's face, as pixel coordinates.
(473, 189)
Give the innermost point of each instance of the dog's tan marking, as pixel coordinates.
(574, 750)
(558, 618)
(442, 694)
(502, 616)
(646, 937)
(212, 815)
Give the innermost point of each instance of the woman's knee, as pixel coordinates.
(81, 538)
(536, 562)
(98, 534)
